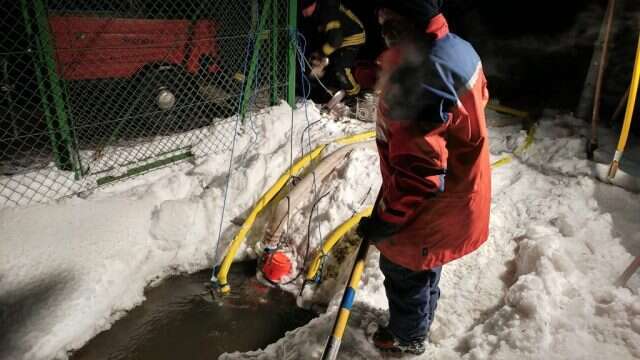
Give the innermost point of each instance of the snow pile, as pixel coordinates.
(69, 269)
(561, 141)
(541, 287)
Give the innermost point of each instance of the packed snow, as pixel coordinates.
(541, 287)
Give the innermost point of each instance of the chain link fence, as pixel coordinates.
(94, 91)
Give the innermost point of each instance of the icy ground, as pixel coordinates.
(541, 287)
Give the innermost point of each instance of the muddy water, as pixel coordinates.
(182, 320)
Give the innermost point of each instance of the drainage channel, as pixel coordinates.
(180, 319)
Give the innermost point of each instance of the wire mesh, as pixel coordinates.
(94, 91)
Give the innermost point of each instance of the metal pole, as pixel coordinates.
(55, 145)
(274, 52)
(47, 54)
(628, 115)
(254, 58)
(291, 59)
(333, 343)
(41, 80)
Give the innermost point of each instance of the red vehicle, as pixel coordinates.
(159, 53)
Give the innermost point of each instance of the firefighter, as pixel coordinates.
(342, 37)
(433, 145)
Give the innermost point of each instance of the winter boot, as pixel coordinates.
(385, 341)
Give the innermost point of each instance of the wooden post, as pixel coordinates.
(595, 113)
(628, 272)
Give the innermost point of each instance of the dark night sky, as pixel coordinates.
(536, 53)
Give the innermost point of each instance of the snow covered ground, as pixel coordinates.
(541, 287)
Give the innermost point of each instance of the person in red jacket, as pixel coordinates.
(432, 138)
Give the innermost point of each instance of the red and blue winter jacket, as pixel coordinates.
(436, 187)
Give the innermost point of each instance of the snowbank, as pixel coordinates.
(540, 288)
(68, 270)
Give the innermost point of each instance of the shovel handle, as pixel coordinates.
(333, 343)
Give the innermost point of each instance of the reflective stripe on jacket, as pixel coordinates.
(341, 27)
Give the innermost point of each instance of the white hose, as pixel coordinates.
(276, 225)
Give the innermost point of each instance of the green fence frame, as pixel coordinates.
(291, 69)
(248, 85)
(274, 52)
(64, 149)
(64, 143)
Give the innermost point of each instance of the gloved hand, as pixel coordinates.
(318, 64)
(373, 229)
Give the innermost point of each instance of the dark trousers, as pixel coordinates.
(413, 298)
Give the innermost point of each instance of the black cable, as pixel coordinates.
(307, 250)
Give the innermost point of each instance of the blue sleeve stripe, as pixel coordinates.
(347, 299)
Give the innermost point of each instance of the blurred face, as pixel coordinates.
(395, 28)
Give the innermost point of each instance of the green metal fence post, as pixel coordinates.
(64, 149)
(248, 85)
(60, 154)
(291, 68)
(41, 89)
(46, 47)
(274, 51)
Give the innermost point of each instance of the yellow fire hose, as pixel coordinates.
(313, 272)
(631, 101)
(518, 151)
(333, 342)
(346, 140)
(337, 234)
(223, 270)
